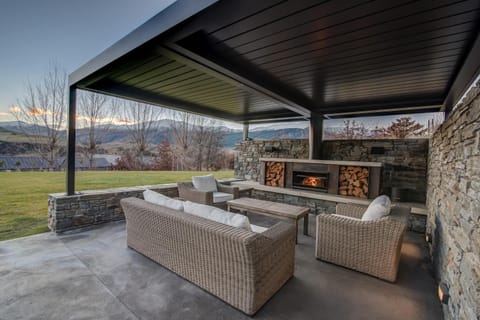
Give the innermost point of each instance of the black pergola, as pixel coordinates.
(256, 61)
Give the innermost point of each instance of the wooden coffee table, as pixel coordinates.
(273, 209)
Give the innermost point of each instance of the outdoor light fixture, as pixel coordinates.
(443, 293)
(428, 237)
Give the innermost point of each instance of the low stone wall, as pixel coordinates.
(95, 207)
(416, 222)
(453, 202)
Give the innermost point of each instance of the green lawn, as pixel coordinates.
(24, 195)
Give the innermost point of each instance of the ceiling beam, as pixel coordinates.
(469, 71)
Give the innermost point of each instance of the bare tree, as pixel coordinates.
(164, 160)
(198, 142)
(181, 128)
(41, 114)
(353, 130)
(142, 125)
(93, 112)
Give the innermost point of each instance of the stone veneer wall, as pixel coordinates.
(95, 207)
(453, 202)
(405, 167)
(404, 162)
(248, 153)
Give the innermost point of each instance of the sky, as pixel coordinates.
(36, 34)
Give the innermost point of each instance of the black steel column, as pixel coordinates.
(316, 135)
(245, 131)
(72, 112)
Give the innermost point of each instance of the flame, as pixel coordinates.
(312, 181)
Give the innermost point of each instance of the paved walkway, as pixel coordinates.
(92, 275)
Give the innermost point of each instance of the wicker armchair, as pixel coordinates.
(187, 191)
(372, 247)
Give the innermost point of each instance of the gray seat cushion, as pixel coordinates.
(222, 197)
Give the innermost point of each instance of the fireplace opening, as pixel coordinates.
(310, 181)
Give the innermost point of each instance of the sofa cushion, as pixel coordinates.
(160, 199)
(222, 197)
(378, 208)
(258, 229)
(218, 215)
(205, 183)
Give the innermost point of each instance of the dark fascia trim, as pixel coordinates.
(166, 19)
(194, 60)
(367, 106)
(469, 71)
(384, 112)
(274, 120)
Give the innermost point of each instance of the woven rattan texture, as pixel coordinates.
(240, 267)
(372, 247)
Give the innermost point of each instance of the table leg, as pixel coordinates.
(296, 231)
(228, 207)
(305, 225)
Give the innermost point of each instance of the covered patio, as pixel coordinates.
(92, 275)
(269, 61)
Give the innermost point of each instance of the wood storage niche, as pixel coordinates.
(353, 181)
(275, 174)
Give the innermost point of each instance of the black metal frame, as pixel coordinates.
(189, 32)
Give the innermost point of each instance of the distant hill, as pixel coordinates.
(289, 133)
(117, 135)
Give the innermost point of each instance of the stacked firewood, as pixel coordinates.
(275, 174)
(353, 181)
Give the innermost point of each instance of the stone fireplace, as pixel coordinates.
(346, 178)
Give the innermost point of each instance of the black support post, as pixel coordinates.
(245, 131)
(72, 111)
(316, 136)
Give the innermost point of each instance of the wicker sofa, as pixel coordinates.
(241, 267)
(372, 247)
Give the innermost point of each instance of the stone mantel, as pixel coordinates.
(340, 163)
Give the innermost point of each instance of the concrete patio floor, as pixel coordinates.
(93, 275)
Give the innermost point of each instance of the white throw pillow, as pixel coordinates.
(258, 229)
(378, 208)
(218, 215)
(160, 199)
(205, 183)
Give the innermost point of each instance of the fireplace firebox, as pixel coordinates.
(310, 181)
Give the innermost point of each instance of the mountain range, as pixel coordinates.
(119, 134)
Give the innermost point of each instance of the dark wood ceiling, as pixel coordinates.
(266, 60)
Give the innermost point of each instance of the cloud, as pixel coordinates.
(14, 109)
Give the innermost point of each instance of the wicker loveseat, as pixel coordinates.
(372, 247)
(241, 267)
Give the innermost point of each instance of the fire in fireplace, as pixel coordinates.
(310, 181)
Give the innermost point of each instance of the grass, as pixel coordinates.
(24, 195)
